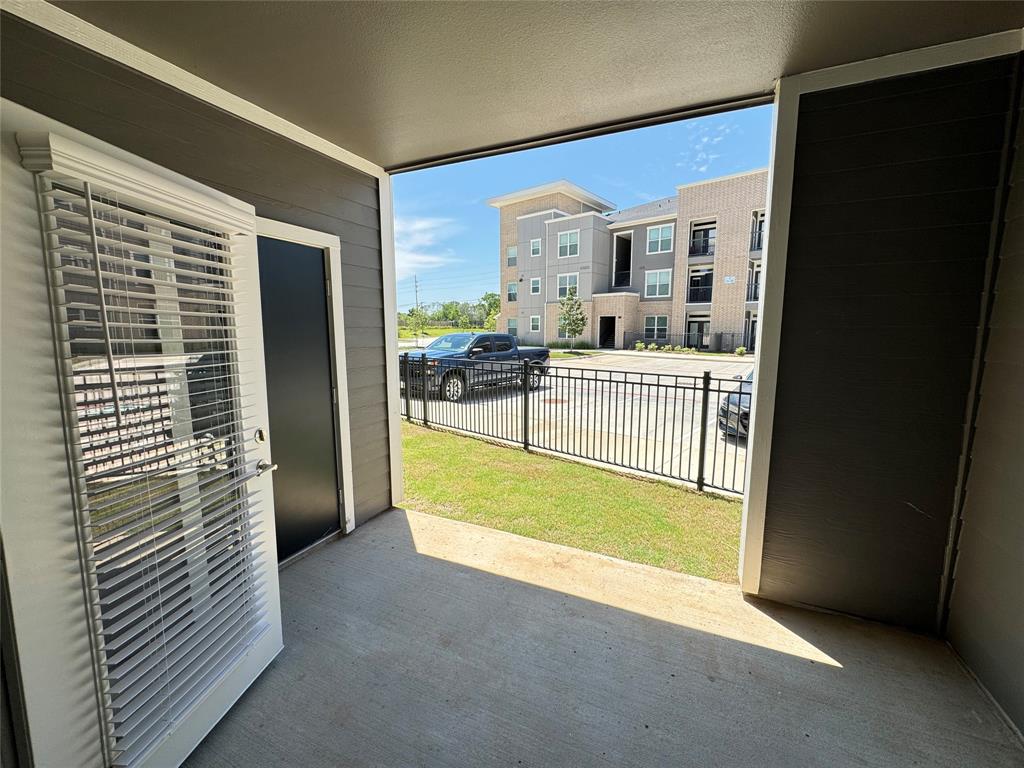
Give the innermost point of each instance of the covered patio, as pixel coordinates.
(423, 641)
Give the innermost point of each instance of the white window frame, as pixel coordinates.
(508, 326)
(655, 337)
(647, 286)
(535, 282)
(671, 238)
(512, 289)
(558, 291)
(568, 245)
(512, 256)
(537, 241)
(534, 323)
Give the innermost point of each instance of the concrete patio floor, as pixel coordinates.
(420, 641)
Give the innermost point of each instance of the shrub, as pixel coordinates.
(566, 344)
(640, 346)
(741, 351)
(678, 348)
(653, 346)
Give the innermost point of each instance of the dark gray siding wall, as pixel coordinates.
(986, 622)
(894, 197)
(284, 180)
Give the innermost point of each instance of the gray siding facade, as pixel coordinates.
(284, 180)
(986, 621)
(895, 178)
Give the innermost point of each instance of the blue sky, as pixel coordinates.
(447, 235)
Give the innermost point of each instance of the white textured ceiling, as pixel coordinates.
(402, 82)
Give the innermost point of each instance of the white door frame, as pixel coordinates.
(788, 91)
(331, 246)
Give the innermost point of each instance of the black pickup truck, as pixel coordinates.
(458, 362)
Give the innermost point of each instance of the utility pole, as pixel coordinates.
(419, 318)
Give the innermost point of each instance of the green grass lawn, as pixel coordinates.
(565, 502)
(568, 354)
(433, 332)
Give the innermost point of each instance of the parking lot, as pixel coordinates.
(636, 412)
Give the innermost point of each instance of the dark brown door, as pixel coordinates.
(297, 350)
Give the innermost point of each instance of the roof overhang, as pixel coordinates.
(565, 187)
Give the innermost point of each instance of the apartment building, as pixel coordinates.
(683, 270)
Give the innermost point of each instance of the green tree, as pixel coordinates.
(417, 320)
(492, 306)
(571, 316)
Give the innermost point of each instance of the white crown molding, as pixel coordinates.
(57, 156)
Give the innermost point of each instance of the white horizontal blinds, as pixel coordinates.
(156, 404)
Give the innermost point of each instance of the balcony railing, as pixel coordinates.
(699, 294)
(622, 279)
(756, 241)
(702, 247)
(753, 291)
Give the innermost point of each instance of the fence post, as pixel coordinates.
(408, 385)
(426, 388)
(526, 405)
(705, 392)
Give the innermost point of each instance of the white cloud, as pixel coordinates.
(419, 244)
(701, 139)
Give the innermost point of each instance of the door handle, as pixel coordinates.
(263, 466)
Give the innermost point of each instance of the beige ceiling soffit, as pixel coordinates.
(586, 132)
(948, 54)
(72, 28)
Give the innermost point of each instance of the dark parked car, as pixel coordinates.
(734, 413)
(459, 362)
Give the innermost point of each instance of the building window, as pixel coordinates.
(566, 283)
(561, 332)
(656, 327)
(534, 286)
(511, 255)
(534, 323)
(757, 231)
(700, 287)
(535, 247)
(659, 283)
(513, 327)
(702, 238)
(568, 244)
(659, 239)
(512, 291)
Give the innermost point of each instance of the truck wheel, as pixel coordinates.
(536, 374)
(452, 387)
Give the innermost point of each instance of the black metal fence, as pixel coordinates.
(690, 428)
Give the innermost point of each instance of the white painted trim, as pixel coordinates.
(86, 35)
(532, 318)
(627, 236)
(540, 247)
(577, 216)
(672, 245)
(156, 188)
(634, 223)
(908, 62)
(776, 243)
(721, 178)
(558, 287)
(331, 245)
(656, 296)
(558, 244)
(655, 318)
(539, 282)
(388, 277)
(541, 213)
(564, 186)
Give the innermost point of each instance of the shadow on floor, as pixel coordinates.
(420, 641)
